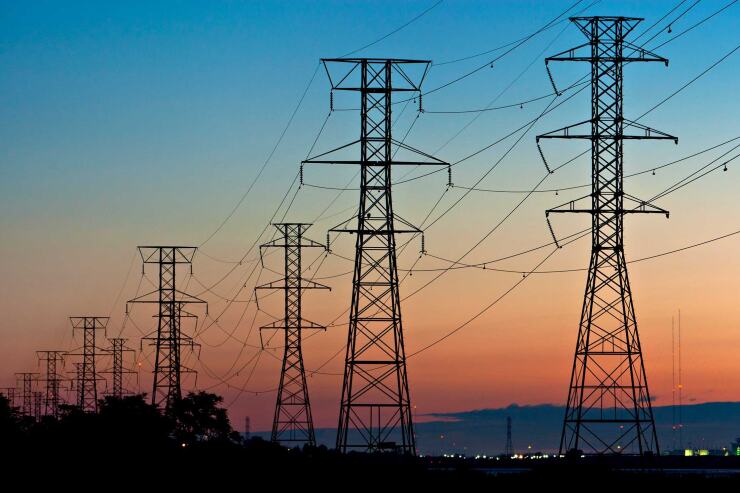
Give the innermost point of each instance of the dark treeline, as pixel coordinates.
(193, 445)
(122, 426)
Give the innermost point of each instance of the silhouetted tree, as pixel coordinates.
(133, 423)
(11, 429)
(198, 418)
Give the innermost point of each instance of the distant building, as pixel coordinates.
(691, 452)
(735, 447)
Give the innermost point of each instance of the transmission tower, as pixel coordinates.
(168, 339)
(509, 448)
(76, 384)
(117, 350)
(10, 393)
(292, 421)
(87, 382)
(38, 405)
(608, 408)
(54, 363)
(375, 408)
(27, 389)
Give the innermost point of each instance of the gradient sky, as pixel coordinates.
(129, 123)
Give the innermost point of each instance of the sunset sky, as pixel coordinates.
(145, 123)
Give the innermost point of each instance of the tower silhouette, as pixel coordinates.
(87, 390)
(117, 350)
(608, 408)
(168, 339)
(10, 393)
(293, 421)
(27, 390)
(509, 448)
(375, 407)
(53, 379)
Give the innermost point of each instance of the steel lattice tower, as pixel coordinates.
(27, 380)
(87, 384)
(509, 448)
(169, 339)
(117, 349)
(608, 408)
(38, 405)
(375, 407)
(10, 393)
(293, 421)
(53, 380)
(76, 384)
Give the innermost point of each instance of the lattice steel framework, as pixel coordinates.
(608, 408)
(375, 408)
(293, 421)
(87, 384)
(168, 338)
(76, 384)
(38, 405)
(117, 350)
(53, 378)
(27, 389)
(509, 448)
(10, 393)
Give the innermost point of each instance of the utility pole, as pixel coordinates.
(117, 350)
(375, 407)
(293, 421)
(27, 388)
(247, 428)
(168, 339)
(54, 364)
(509, 448)
(88, 376)
(673, 384)
(680, 387)
(608, 408)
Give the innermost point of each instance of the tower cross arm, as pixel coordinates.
(333, 157)
(98, 322)
(182, 254)
(304, 324)
(583, 130)
(281, 284)
(639, 207)
(343, 80)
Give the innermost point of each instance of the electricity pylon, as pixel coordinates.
(27, 389)
(87, 383)
(53, 380)
(75, 384)
(38, 405)
(10, 393)
(509, 448)
(293, 421)
(168, 339)
(117, 350)
(608, 408)
(375, 408)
